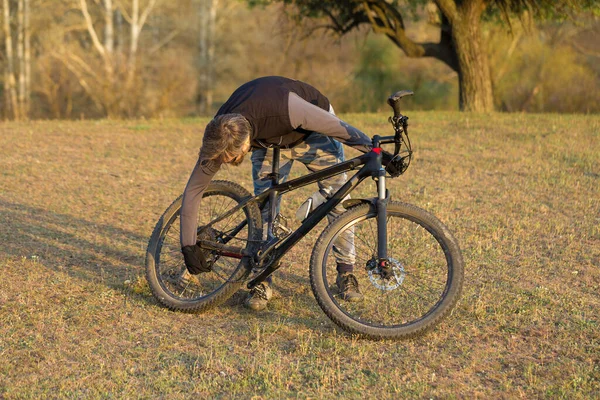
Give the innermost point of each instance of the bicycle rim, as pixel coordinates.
(422, 282)
(179, 289)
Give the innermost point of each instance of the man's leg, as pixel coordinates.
(317, 153)
(261, 168)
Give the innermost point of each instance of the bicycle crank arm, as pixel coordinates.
(223, 249)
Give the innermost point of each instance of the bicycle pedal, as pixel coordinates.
(280, 227)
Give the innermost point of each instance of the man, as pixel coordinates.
(263, 112)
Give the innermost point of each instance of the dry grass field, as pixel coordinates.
(78, 201)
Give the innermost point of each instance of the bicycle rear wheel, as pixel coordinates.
(422, 284)
(166, 273)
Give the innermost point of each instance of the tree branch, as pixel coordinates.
(123, 11)
(82, 64)
(384, 18)
(395, 14)
(146, 12)
(81, 80)
(164, 41)
(448, 8)
(342, 28)
(381, 23)
(90, 28)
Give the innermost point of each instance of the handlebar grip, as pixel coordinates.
(394, 100)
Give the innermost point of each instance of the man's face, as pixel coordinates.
(240, 158)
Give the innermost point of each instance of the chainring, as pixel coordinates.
(208, 234)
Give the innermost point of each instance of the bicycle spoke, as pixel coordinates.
(418, 265)
(171, 268)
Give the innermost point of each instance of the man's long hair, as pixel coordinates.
(224, 137)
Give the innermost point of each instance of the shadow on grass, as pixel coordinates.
(84, 249)
(109, 255)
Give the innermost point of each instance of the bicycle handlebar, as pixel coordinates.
(387, 139)
(394, 101)
(402, 152)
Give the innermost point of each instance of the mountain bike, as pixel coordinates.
(408, 263)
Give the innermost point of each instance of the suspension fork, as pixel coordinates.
(383, 197)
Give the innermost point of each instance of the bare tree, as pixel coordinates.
(137, 21)
(9, 73)
(112, 91)
(23, 57)
(27, 56)
(207, 15)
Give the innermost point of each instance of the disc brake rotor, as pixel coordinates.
(391, 281)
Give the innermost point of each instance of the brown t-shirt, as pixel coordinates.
(264, 103)
(280, 110)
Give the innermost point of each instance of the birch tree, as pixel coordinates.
(9, 73)
(207, 15)
(27, 58)
(113, 90)
(137, 21)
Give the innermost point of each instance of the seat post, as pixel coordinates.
(275, 169)
(273, 195)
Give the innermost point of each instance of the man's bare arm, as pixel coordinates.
(310, 117)
(201, 176)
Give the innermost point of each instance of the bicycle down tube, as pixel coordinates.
(372, 167)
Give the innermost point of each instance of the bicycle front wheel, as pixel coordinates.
(419, 287)
(166, 273)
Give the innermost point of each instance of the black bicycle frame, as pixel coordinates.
(274, 250)
(372, 167)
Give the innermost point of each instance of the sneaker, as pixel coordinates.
(348, 287)
(259, 297)
(184, 280)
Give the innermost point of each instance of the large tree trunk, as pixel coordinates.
(474, 77)
(461, 45)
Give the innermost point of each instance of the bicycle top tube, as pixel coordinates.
(372, 162)
(372, 158)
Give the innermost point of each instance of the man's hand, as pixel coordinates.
(194, 259)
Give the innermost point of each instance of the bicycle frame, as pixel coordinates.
(275, 249)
